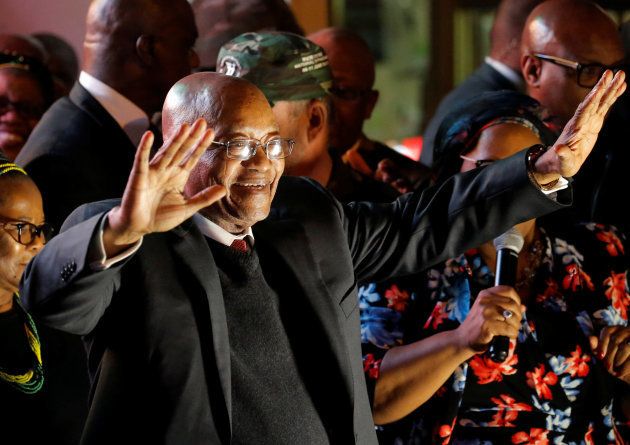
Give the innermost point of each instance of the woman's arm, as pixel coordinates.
(411, 374)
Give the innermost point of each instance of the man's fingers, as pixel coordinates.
(141, 161)
(611, 92)
(165, 153)
(194, 155)
(197, 132)
(593, 100)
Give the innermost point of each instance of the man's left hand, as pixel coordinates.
(579, 135)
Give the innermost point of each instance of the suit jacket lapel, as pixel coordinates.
(122, 149)
(194, 253)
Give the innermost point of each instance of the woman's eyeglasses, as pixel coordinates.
(25, 233)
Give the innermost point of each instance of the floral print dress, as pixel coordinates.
(551, 389)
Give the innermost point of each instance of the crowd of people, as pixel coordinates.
(200, 244)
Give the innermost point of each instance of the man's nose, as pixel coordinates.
(259, 161)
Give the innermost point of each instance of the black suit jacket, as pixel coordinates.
(77, 154)
(485, 78)
(156, 323)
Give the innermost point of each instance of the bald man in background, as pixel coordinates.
(353, 98)
(501, 69)
(61, 60)
(82, 149)
(219, 21)
(559, 35)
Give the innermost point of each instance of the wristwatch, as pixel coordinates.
(533, 153)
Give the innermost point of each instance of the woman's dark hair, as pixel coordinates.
(460, 130)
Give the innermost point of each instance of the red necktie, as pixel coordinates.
(240, 245)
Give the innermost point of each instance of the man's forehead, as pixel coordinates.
(250, 121)
(593, 49)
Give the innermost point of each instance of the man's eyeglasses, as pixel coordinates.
(478, 162)
(25, 233)
(588, 74)
(244, 149)
(348, 93)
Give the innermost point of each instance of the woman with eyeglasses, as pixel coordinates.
(43, 380)
(567, 375)
(22, 232)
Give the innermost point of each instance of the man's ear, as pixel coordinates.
(317, 118)
(145, 49)
(531, 68)
(370, 103)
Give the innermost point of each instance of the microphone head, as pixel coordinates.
(512, 239)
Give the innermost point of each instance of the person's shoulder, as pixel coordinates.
(297, 195)
(87, 211)
(484, 78)
(295, 185)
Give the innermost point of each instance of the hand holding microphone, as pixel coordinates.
(495, 315)
(508, 246)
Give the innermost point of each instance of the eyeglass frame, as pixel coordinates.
(40, 231)
(254, 149)
(579, 67)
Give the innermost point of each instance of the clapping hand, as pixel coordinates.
(578, 137)
(154, 200)
(613, 348)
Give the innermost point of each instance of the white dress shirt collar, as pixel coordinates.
(128, 115)
(507, 72)
(217, 233)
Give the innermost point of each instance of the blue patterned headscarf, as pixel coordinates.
(461, 128)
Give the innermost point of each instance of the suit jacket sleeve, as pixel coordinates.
(62, 267)
(421, 229)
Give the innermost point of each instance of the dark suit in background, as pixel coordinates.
(485, 78)
(156, 323)
(77, 154)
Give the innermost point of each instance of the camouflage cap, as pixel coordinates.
(284, 66)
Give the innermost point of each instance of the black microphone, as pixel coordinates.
(508, 247)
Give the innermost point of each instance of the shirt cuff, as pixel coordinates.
(561, 185)
(98, 258)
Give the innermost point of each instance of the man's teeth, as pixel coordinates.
(243, 184)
